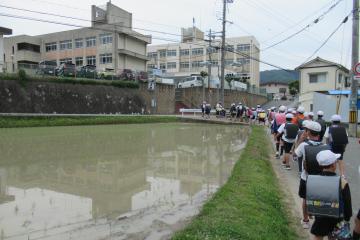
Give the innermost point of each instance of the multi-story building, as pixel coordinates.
(189, 56)
(110, 42)
(3, 31)
(320, 75)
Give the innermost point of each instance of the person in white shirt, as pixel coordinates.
(312, 130)
(288, 131)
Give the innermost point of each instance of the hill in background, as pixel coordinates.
(279, 76)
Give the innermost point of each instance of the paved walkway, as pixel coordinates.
(289, 181)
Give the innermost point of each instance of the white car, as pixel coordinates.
(194, 81)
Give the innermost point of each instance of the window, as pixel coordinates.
(195, 64)
(229, 61)
(197, 51)
(347, 83)
(79, 61)
(106, 38)
(243, 47)
(311, 107)
(212, 50)
(151, 66)
(79, 43)
(184, 64)
(13, 49)
(243, 60)
(65, 60)
(105, 58)
(91, 60)
(317, 77)
(171, 65)
(50, 46)
(340, 78)
(91, 42)
(184, 52)
(28, 47)
(152, 54)
(162, 53)
(162, 66)
(67, 44)
(171, 53)
(214, 62)
(229, 48)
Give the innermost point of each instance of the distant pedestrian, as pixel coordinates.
(299, 117)
(203, 108)
(278, 121)
(322, 123)
(207, 110)
(337, 137)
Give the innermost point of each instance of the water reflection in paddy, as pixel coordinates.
(77, 182)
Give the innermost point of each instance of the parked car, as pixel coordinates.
(108, 74)
(46, 68)
(126, 74)
(193, 81)
(66, 70)
(88, 71)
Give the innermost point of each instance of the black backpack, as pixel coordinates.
(312, 165)
(291, 130)
(338, 135)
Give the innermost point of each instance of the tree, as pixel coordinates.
(294, 87)
(203, 74)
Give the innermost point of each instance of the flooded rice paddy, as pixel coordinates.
(111, 182)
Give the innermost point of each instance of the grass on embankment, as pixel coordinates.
(13, 122)
(249, 205)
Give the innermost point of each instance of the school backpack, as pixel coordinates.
(323, 196)
(338, 136)
(291, 130)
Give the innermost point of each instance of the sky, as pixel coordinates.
(269, 21)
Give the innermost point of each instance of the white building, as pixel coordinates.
(319, 75)
(276, 88)
(3, 31)
(110, 42)
(187, 57)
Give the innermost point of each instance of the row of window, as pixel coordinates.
(197, 51)
(196, 64)
(89, 60)
(79, 43)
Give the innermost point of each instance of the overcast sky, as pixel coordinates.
(268, 21)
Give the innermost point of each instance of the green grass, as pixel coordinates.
(249, 205)
(69, 80)
(13, 122)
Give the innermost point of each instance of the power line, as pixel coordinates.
(82, 19)
(328, 38)
(317, 20)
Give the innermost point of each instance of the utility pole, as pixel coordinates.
(223, 54)
(209, 65)
(353, 118)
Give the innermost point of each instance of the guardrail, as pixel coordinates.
(193, 110)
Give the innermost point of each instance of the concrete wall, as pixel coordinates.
(328, 103)
(43, 97)
(1, 53)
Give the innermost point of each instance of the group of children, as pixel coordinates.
(298, 135)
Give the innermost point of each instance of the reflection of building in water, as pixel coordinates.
(4, 196)
(110, 185)
(195, 166)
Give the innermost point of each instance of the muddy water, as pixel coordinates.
(111, 182)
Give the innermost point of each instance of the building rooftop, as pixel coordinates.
(326, 64)
(5, 31)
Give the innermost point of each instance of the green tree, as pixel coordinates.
(294, 87)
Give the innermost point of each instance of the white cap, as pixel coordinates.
(335, 118)
(306, 114)
(273, 108)
(233, 104)
(314, 126)
(289, 115)
(258, 105)
(327, 157)
(282, 108)
(320, 113)
(301, 109)
(293, 112)
(311, 114)
(305, 122)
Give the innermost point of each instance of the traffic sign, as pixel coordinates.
(357, 69)
(357, 77)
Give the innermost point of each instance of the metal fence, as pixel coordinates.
(70, 70)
